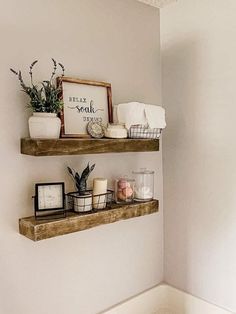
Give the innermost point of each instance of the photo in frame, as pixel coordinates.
(84, 101)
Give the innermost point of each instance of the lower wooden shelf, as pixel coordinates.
(43, 229)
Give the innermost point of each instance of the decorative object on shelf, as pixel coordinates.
(83, 203)
(49, 200)
(96, 129)
(80, 203)
(46, 103)
(139, 113)
(124, 190)
(44, 125)
(116, 130)
(82, 198)
(141, 120)
(142, 131)
(131, 113)
(81, 181)
(84, 101)
(144, 185)
(99, 193)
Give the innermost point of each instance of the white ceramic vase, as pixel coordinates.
(83, 203)
(44, 125)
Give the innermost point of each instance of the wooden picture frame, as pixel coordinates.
(83, 101)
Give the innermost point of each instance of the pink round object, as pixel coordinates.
(120, 196)
(123, 184)
(127, 192)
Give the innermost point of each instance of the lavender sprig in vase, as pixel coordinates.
(45, 102)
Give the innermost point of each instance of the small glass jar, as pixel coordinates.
(144, 185)
(124, 190)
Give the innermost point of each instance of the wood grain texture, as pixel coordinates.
(81, 81)
(46, 147)
(44, 229)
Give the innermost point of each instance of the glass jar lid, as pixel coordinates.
(143, 171)
(125, 178)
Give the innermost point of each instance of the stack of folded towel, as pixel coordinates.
(134, 113)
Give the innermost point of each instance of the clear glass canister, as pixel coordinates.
(124, 190)
(144, 185)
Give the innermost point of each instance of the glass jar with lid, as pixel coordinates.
(144, 185)
(124, 190)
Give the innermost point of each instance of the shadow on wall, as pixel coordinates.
(180, 78)
(199, 176)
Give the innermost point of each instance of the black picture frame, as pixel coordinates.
(49, 213)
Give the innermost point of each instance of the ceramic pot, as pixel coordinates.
(83, 203)
(44, 125)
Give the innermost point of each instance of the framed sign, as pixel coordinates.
(84, 101)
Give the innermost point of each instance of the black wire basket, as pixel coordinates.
(87, 202)
(142, 131)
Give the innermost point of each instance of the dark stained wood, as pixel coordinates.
(109, 101)
(46, 147)
(44, 229)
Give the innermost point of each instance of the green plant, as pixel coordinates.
(46, 97)
(81, 180)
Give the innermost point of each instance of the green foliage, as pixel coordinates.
(81, 181)
(47, 96)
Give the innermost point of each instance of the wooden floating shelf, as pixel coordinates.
(47, 147)
(44, 229)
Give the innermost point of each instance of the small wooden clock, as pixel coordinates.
(49, 200)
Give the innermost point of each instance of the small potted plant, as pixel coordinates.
(45, 101)
(81, 200)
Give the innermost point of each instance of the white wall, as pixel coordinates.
(164, 299)
(199, 94)
(85, 272)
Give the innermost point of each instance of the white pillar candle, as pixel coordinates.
(99, 187)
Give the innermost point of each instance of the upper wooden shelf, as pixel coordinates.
(46, 147)
(43, 229)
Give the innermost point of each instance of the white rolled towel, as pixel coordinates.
(131, 113)
(155, 116)
(134, 113)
